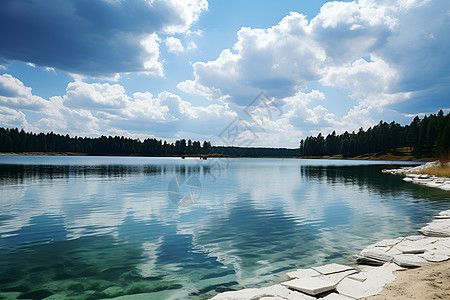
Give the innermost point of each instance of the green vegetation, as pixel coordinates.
(19, 141)
(13, 140)
(427, 137)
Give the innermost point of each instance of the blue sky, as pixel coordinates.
(188, 68)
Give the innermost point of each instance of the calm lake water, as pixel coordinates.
(104, 227)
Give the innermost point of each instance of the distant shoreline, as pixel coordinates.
(384, 157)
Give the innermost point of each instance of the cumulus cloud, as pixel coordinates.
(92, 37)
(277, 60)
(93, 109)
(174, 45)
(12, 118)
(300, 115)
(14, 94)
(95, 96)
(385, 55)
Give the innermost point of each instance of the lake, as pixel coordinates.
(168, 228)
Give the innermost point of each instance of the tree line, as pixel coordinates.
(426, 137)
(15, 140)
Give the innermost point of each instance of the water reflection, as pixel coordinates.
(18, 174)
(103, 230)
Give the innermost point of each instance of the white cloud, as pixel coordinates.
(12, 118)
(145, 107)
(368, 82)
(70, 35)
(301, 116)
(278, 60)
(174, 45)
(188, 10)
(192, 46)
(93, 109)
(95, 96)
(14, 94)
(384, 55)
(151, 61)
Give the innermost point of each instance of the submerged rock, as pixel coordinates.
(39, 294)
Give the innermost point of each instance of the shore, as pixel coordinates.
(431, 281)
(432, 174)
(383, 157)
(374, 157)
(411, 267)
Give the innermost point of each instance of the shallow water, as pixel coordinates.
(103, 227)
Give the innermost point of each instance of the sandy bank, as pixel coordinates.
(431, 281)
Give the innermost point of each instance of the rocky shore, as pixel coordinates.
(412, 174)
(377, 263)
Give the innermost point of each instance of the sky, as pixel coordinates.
(242, 73)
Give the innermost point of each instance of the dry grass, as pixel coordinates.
(439, 171)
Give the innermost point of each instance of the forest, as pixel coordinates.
(426, 137)
(13, 140)
(17, 141)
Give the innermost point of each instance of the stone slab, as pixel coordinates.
(332, 268)
(388, 242)
(376, 279)
(282, 291)
(444, 213)
(359, 277)
(276, 290)
(435, 257)
(410, 248)
(375, 254)
(414, 237)
(335, 296)
(368, 261)
(409, 260)
(335, 278)
(437, 228)
(301, 273)
(310, 285)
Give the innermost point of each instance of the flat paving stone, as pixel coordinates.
(332, 268)
(437, 228)
(359, 277)
(302, 273)
(410, 248)
(335, 278)
(335, 296)
(388, 242)
(369, 261)
(284, 292)
(444, 242)
(415, 237)
(310, 285)
(376, 279)
(235, 295)
(435, 257)
(409, 260)
(276, 290)
(445, 213)
(375, 254)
